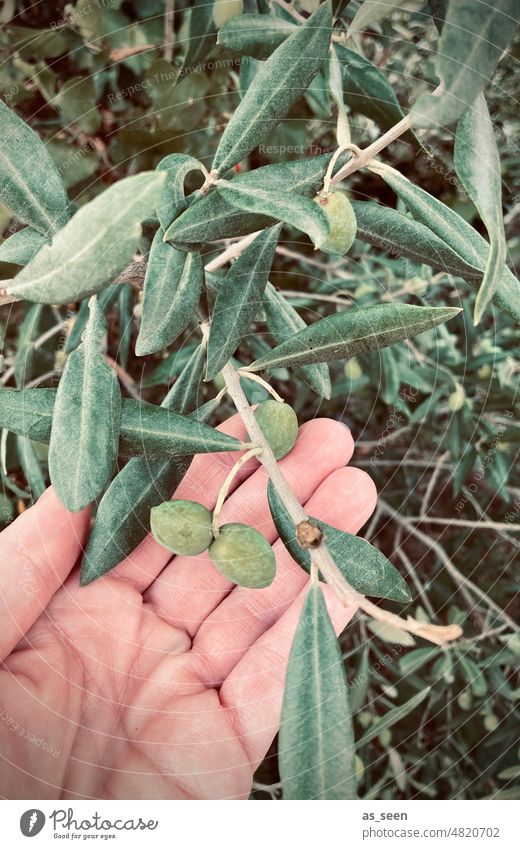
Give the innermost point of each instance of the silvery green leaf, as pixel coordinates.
(173, 200)
(145, 428)
(123, 515)
(172, 287)
(391, 717)
(213, 217)
(455, 232)
(478, 165)
(371, 12)
(93, 246)
(31, 466)
(25, 350)
(278, 84)
(473, 38)
(354, 331)
(316, 750)
(283, 322)
(184, 393)
(238, 299)
(365, 568)
(86, 420)
(296, 210)
(31, 186)
(367, 90)
(402, 236)
(198, 34)
(21, 247)
(255, 35)
(157, 431)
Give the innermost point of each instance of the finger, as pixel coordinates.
(253, 693)
(190, 588)
(201, 483)
(37, 553)
(346, 499)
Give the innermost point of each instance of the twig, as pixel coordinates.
(320, 556)
(412, 574)
(433, 480)
(124, 377)
(232, 252)
(168, 30)
(464, 523)
(263, 383)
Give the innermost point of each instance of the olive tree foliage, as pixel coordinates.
(128, 456)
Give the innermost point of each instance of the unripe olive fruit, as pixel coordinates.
(342, 223)
(279, 424)
(223, 10)
(456, 399)
(244, 556)
(183, 527)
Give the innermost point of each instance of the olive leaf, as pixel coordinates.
(183, 395)
(255, 35)
(365, 568)
(276, 86)
(478, 165)
(31, 466)
(31, 186)
(460, 236)
(21, 247)
(86, 420)
(354, 331)
(214, 217)
(371, 12)
(295, 210)
(238, 298)
(93, 246)
(123, 514)
(391, 717)
(367, 90)
(402, 236)
(173, 200)
(145, 428)
(25, 351)
(199, 33)
(172, 287)
(283, 322)
(473, 38)
(316, 752)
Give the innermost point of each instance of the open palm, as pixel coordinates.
(160, 680)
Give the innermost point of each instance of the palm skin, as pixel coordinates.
(160, 680)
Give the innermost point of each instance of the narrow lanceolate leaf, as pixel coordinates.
(352, 332)
(367, 90)
(371, 12)
(455, 232)
(184, 394)
(277, 85)
(198, 36)
(392, 716)
(295, 210)
(93, 246)
(283, 322)
(255, 35)
(21, 247)
(316, 749)
(25, 354)
(213, 217)
(474, 36)
(402, 236)
(478, 165)
(156, 431)
(173, 200)
(172, 288)
(238, 299)
(31, 186)
(365, 568)
(123, 515)
(31, 466)
(145, 428)
(86, 421)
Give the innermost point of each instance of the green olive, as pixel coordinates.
(243, 556)
(279, 424)
(183, 527)
(342, 223)
(223, 10)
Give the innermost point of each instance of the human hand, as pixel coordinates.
(160, 680)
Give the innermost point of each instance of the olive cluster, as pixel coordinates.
(239, 552)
